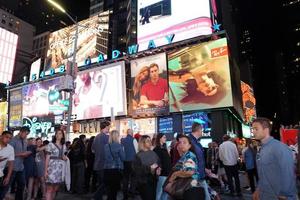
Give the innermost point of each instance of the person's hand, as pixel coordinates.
(282, 198)
(173, 177)
(160, 103)
(65, 158)
(255, 195)
(2, 158)
(27, 153)
(6, 181)
(46, 174)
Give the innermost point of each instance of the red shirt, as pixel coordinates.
(155, 92)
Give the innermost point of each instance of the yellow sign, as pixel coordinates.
(3, 116)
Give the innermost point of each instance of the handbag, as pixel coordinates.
(177, 188)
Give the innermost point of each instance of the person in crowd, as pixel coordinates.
(211, 158)
(7, 157)
(90, 173)
(54, 164)
(140, 79)
(131, 147)
(174, 152)
(229, 155)
(166, 165)
(222, 174)
(30, 167)
(68, 146)
(77, 155)
(19, 144)
(98, 148)
(114, 156)
(187, 166)
(275, 165)
(249, 157)
(195, 136)
(155, 92)
(40, 168)
(146, 168)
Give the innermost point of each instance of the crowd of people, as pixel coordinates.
(145, 166)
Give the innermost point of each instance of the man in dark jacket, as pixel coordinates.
(130, 147)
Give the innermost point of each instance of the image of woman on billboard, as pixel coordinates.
(141, 78)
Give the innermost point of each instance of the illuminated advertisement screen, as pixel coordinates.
(146, 126)
(199, 117)
(92, 40)
(3, 116)
(149, 86)
(199, 77)
(35, 68)
(100, 91)
(165, 125)
(160, 18)
(15, 108)
(8, 47)
(43, 99)
(249, 102)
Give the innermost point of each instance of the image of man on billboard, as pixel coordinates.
(199, 77)
(150, 86)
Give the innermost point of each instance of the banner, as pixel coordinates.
(3, 116)
(15, 108)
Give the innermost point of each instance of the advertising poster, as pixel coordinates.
(146, 126)
(160, 18)
(39, 126)
(3, 116)
(289, 136)
(199, 77)
(149, 86)
(165, 125)
(92, 40)
(43, 99)
(249, 102)
(100, 92)
(8, 48)
(15, 108)
(199, 117)
(35, 68)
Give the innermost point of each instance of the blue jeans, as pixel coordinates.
(204, 185)
(160, 194)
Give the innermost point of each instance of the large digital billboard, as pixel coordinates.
(100, 92)
(249, 102)
(43, 98)
(199, 77)
(149, 86)
(8, 48)
(15, 108)
(160, 18)
(92, 40)
(198, 117)
(3, 116)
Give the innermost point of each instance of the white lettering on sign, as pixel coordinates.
(36, 126)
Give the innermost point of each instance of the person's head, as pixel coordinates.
(75, 140)
(105, 126)
(261, 128)
(160, 140)
(197, 130)
(114, 137)
(39, 142)
(145, 143)
(45, 142)
(82, 138)
(143, 74)
(129, 132)
(6, 137)
(226, 138)
(59, 136)
(24, 131)
(154, 71)
(185, 144)
(68, 144)
(31, 141)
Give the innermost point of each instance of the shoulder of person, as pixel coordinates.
(10, 148)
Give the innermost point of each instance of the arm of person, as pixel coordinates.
(136, 146)
(43, 148)
(93, 146)
(221, 156)
(10, 166)
(23, 154)
(122, 153)
(145, 101)
(47, 164)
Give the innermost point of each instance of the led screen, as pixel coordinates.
(15, 108)
(199, 117)
(199, 77)
(43, 98)
(165, 125)
(160, 18)
(92, 40)
(149, 86)
(8, 47)
(100, 91)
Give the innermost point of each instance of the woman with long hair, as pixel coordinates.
(114, 156)
(40, 166)
(54, 164)
(166, 165)
(146, 168)
(186, 167)
(139, 81)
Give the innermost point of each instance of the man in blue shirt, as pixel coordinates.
(195, 137)
(98, 148)
(275, 165)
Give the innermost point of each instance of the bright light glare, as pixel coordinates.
(56, 5)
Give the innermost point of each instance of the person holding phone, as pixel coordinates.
(7, 157)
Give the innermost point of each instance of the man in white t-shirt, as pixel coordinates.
(7, 157)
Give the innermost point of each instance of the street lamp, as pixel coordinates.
(59, 7)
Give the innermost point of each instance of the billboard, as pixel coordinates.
(249, 102)
(146, 126)
(165, 125)
(199, 77)
(160, 18)
(199, 117)
(149, 86)
(43, 98)
(99, 92)
(35, 68)
(3, 116)
(92, 40)
(15, 108)
(8, 48)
